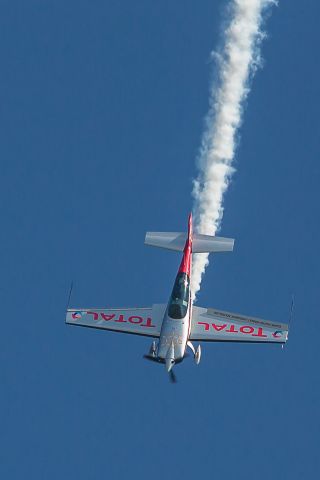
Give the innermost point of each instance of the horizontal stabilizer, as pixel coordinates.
(201, 243)
(206, 243)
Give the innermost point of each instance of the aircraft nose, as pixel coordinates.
(169, 364)
(170, 357)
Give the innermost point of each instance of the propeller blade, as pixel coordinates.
(151, 358)
(173, 378)
(148, 357)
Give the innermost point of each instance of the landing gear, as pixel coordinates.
(153, 349)
(152, 354)
(196, 353)
(197, 356)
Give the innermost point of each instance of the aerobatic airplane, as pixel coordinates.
(177, 324)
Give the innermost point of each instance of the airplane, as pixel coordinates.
(177, 324)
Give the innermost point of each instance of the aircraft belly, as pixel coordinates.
(176, 332)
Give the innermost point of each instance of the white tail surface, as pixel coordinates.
(200, 243)
(207, 244)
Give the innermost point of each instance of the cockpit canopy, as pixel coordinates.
(179, 300)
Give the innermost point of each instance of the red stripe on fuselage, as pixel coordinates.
(186, 261)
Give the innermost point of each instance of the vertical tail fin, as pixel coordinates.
(190, 227)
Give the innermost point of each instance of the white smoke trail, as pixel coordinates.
(236, 64)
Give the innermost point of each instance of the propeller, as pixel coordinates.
(150, 358)
(172, 377)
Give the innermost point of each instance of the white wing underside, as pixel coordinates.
(137, 321)
(213, 325)
(209, 325)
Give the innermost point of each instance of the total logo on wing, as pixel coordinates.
(277, 334)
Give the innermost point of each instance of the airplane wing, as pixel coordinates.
(212, 325)
(137, 321)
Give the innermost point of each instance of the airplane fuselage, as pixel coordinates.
(176, 323)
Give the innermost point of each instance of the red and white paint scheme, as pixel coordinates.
(176, 324)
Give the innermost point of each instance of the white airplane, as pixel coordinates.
(177, 324)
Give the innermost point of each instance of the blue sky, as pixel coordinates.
(101, 114)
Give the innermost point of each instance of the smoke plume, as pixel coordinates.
(237, 62)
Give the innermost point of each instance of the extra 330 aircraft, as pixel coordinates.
(177, 324)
